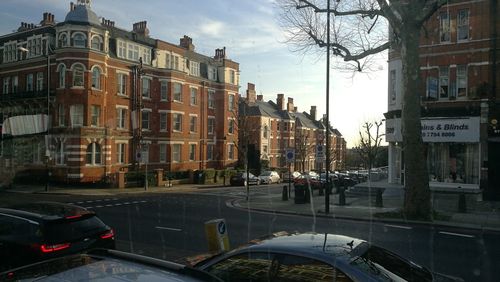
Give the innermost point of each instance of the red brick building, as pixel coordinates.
(273, 127)
(114, 98)
(460, 98)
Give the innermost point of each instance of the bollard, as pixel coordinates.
(378, 200)
(217, 236)
(321, 189)
(462, 206)
(284, 194)
(341, 196)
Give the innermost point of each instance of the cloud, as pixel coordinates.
(212, 28)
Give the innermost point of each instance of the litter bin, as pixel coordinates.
(300, 194)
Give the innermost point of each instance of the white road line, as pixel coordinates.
(118, 204)
(135, 202)
(99, 206)
(98, 200)
(115, 199)
(89, 201)
(144, 201)
(457, 234)
(399, 226)
(89, 207)
(109, 205)
(168, 228)
(126, 203)
(70, 203)
(80, 202)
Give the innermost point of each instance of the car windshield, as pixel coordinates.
(144, 119)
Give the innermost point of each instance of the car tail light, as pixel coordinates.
(73, 216)
(109, 234)
(52, 248)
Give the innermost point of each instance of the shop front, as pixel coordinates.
(453, 151)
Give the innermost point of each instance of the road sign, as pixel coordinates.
(320, 151)
(290, 155)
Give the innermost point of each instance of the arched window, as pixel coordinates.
(93, 155)
(96, 43)
(79, 40)
(63, 40)
(78, 71)
(62, 75)
(96, 78)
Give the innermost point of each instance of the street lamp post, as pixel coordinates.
(327, 45)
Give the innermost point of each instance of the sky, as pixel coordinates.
(250, 32)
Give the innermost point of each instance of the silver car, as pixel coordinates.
(315, 257)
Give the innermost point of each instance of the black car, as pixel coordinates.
(106, 265)
(44, 230)
(241, 179)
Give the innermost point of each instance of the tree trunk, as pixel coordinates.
(417, 194)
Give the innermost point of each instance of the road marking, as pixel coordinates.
(89, 207)
(168, 228)
(99, 206)
(118, 204)
(80, 202)
(88, 201)
(109, 205)
(457, 234)
(135, 202)
(98, 200)
(399, 226)
(126, 203)
(144, 201)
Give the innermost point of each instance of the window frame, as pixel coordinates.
(95, 115)
(121, 84)
(176, 153)
(74, 39)
(146, 117)
(177, 122)
(444, 27)
(120, 153)
(163, 121)
(61, 69)
(193, 96)
(121, 118)
(464, 26)
(177, 96)
(78, 71)
(93, 157)
(96, 78)
(192, 152)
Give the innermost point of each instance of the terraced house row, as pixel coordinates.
(84, 99)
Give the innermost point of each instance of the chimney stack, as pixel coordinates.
(187, 43)
(289, 105)
(280, 101)
(294, 109)
(106, 22)
(141, 28)
(48, 19)
(220, 53)
(260, 97)
(313, 112)
(251, 93)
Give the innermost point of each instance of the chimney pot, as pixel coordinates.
(260, 97)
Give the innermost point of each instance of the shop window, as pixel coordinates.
(453, 162)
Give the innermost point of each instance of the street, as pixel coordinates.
(171, 226)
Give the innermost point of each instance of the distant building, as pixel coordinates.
(273, 127)
(460, 98)
(86, 99)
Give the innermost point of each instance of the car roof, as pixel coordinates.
(327, 247)
(108, 265)
(45, 211)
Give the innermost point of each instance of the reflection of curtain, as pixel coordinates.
(471, 161)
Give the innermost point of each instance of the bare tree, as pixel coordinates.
(303, 147)
(369, 143)
(359, 32)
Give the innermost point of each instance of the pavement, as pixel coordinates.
(482, 215)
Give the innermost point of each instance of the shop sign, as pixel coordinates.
(436, 130)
